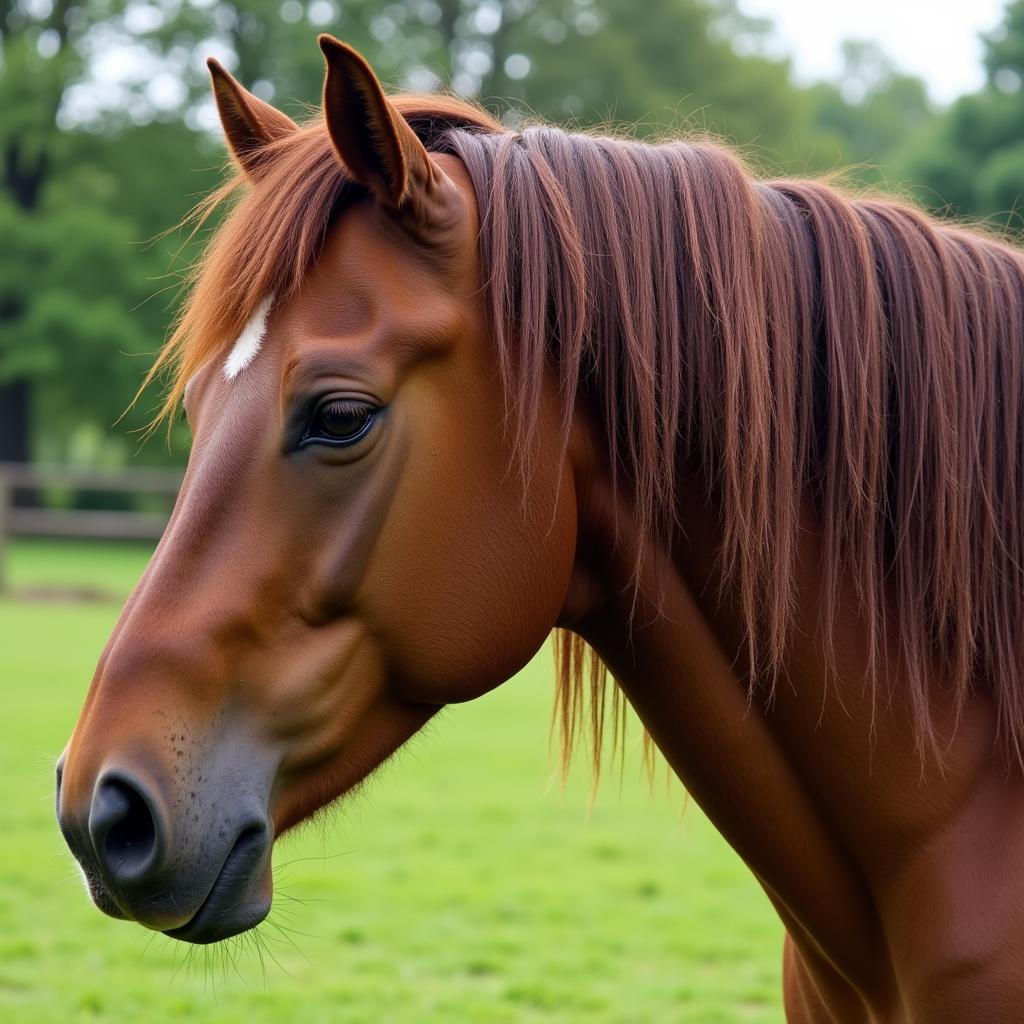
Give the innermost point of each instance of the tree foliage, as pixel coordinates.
(970, 161)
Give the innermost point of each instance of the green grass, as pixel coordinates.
(461, 886)
(107, 567)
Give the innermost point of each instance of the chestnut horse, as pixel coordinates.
(754, 446)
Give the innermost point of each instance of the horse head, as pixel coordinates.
(356, 542)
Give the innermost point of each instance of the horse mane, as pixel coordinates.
(785, 339)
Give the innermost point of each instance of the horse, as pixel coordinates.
(751, 449)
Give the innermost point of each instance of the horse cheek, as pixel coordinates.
(464, 598)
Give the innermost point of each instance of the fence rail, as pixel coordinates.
(28, 519)
(22, 475)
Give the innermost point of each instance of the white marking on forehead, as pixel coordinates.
(248, 344)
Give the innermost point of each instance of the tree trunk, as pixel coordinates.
(14, 421)
(23, 180)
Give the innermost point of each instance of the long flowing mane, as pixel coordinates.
(788, 341)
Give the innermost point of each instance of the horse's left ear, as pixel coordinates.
(376, 143)
(249, 123)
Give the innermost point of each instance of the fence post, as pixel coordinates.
(6, 500)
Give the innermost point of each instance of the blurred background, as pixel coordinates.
(466, 888)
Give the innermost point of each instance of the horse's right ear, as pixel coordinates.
(378, 146)
(249, 123)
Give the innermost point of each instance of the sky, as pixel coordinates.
(934, 39)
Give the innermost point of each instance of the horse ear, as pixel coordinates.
(249, 123)
(374, 141)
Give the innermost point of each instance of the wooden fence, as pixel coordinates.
(30, 519)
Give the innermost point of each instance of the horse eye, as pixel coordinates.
(339, 421)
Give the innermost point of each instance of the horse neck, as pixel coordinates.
(808, 786)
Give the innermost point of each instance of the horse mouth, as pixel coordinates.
(240, 897)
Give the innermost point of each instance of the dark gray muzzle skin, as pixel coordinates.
(188, 855)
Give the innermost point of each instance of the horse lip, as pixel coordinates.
(99, 893)
(229, 906)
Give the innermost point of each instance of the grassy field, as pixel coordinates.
(463, 886)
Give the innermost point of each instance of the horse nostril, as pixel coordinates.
(124, 830)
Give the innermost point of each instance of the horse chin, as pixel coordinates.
(240, 898)
(215, 922)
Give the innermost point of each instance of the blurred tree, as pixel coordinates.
(596, 60)
(71, 271)
(93, 278)
(590, 61)
(871, 109)
(971, 160)
(36, 60)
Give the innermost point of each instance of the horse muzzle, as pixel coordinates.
(193, 863)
